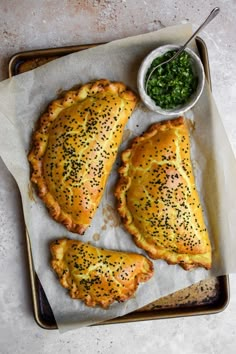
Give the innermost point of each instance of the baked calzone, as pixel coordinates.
(74, 148)
(158, 200)
(98, 276)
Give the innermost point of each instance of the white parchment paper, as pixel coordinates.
(22, 100)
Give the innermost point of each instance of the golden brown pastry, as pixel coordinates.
(158, 200)
(74, 148)
(30, 64)
(98, 276)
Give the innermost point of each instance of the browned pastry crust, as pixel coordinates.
(74, 148)
(30, 64)
(158, 200)
(98, 276)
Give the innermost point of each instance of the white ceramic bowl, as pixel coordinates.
(197, 68)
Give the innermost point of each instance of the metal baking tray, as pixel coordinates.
(206, 297)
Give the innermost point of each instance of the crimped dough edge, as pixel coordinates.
(186, 261)
(41, 135)
(61, 247)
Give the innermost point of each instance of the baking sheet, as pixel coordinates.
(22, 101)
(205, 297)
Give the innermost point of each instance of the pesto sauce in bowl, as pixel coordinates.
(172, 84)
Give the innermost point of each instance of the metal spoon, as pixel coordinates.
(212, 15)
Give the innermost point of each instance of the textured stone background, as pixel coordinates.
(32, 24)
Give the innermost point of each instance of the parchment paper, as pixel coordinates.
(22, 100)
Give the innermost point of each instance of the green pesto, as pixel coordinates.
(172, 84)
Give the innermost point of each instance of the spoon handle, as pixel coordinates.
(212, 15)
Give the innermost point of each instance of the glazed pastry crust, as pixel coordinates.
(98, 276)
(158, 200)
(74, 148)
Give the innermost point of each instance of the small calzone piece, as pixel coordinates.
(74, 148)
(98, 276)
(157, 197)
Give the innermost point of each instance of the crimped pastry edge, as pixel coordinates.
(121, 189)
(40, 139)
(89, 301)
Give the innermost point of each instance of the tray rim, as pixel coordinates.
(133, 316)
(49, 52)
